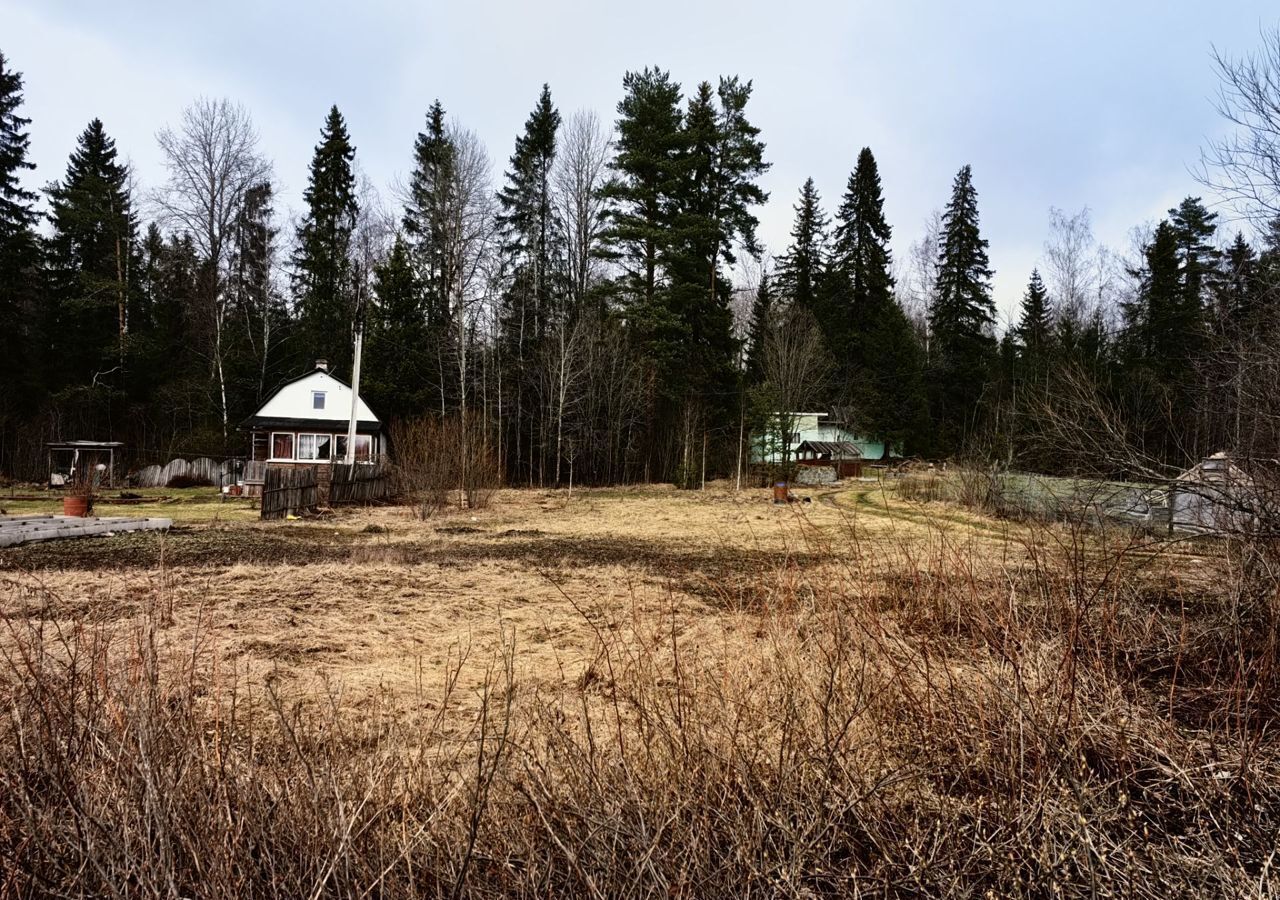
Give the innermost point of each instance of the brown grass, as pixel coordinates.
(647, 693)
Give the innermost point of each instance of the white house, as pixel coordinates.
(306, 421)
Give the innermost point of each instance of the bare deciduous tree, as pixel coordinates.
(1244, 166)
(580, 170)
(917, 289)
(213, 160)
(797, 366)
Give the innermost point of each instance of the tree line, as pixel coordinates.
(604, 312)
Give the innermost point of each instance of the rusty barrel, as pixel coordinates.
(780, 492)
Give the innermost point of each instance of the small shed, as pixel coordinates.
(843, 456)
(1214, 496)
(68, 460)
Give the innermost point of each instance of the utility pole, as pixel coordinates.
(350, 456)
(355, 398)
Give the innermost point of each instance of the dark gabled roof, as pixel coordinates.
(834, 449)
(324, 426)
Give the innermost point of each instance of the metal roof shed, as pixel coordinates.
(67, 459)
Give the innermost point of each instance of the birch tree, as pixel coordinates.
(213, 160)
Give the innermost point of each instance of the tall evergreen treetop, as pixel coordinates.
(962, 348)
(800, 267)
(93, 256)
(322, 261)
(963, 304)
(1239, 290)
(1194, 227)
(860, 248)
(18, 245)
(737, 164)
(1036, 325)
(91, 207)
(17, 210)
(531, 229)
(646, 176)
(426, 216)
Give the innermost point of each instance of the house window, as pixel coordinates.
(314, 446)
(317, 399)
(364, 447)
(281, 446)
(794, 438)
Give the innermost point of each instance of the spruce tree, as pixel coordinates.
(1238, 291)
(860, 248)
(800, 268)
(94, 260)
(1035, 327)
(722, 162)
(19, 255)
(426, 215)
(399, 348)
(322, 270)
(531, 229)
(960, 319)
(878, 357)
(762, 307)
(857, 286)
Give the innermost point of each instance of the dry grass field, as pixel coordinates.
(635, 692)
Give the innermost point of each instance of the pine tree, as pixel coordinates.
(645, 183)
(961, 318)
(800, 268)
(19, 254)
(94, 260)
(322, 276)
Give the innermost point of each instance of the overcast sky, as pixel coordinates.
(1076, 104)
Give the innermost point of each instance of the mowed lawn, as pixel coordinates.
(183, 505)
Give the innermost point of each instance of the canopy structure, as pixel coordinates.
(70, 459)
(828, 450)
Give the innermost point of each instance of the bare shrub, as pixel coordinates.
(439, 460)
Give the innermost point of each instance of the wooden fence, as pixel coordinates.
(289, 491)
(359, 483)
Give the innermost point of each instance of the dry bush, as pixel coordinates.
(439, 461)
(903, 719)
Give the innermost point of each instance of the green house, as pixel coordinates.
(788, 430)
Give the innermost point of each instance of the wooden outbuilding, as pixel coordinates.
(843, 456)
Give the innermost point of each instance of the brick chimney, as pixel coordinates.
(322, 365)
